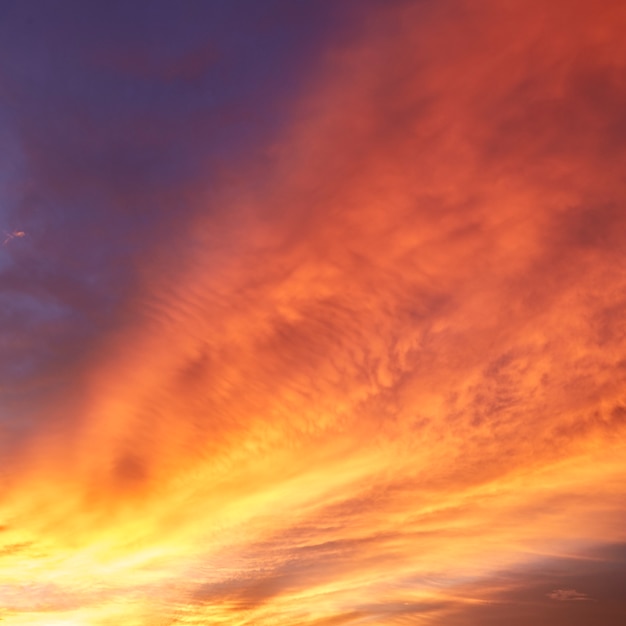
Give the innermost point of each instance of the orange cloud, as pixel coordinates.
(386, 365)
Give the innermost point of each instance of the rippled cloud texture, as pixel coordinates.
(317, 313)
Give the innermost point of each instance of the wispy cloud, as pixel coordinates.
(567, 595)
(351, 366)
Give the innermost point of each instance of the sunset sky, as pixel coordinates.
(313, 312)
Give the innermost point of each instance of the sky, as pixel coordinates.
(311, 312)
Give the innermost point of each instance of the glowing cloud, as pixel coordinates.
(370, 371)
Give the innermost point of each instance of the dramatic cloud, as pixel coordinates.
(317, 318)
